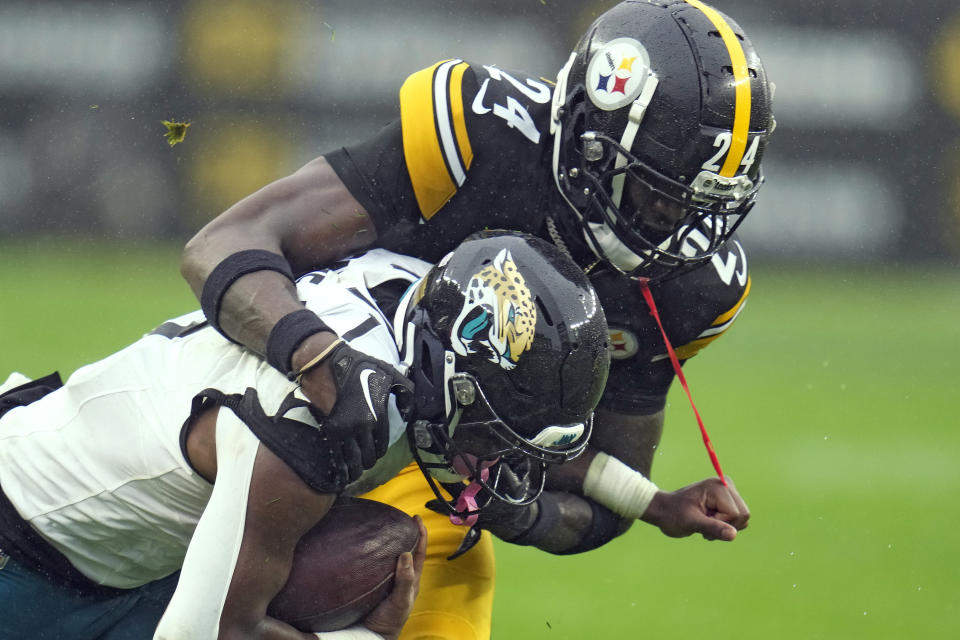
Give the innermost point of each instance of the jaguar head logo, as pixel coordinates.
(498, 315)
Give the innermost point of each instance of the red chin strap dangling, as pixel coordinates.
(645, 288)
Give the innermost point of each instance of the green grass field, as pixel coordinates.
(832, 403)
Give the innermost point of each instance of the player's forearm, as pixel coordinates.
(303, 221)
(631, 439)
(254, 223)
(561, 523)
(254, 305)
(249, 307)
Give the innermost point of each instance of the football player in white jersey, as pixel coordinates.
(186, 452)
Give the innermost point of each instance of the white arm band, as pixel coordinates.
(194, 611)
(358, 632)
(618, 487)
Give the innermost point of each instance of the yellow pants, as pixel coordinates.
(456, 596)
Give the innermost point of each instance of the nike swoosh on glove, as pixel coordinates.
(359, 417)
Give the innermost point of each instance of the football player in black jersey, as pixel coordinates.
(640, 161)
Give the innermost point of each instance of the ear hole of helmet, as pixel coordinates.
(426, 370)
(544, 313)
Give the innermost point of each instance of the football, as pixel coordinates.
(344, 566)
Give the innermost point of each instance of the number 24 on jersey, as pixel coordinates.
(514, 113)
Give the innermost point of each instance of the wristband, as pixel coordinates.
(231, 269)
(357, 632)
(288, 334)
(618, 487)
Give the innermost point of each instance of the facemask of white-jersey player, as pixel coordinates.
(476, 444)
(506, 344)
(657, 146)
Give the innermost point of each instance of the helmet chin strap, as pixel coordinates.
(607, 246)
(637, 110)
(559, 93)
(606, 243)
(612, 248)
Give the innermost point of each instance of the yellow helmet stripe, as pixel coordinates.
(435, 142)
(741, 83)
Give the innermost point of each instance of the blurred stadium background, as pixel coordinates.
(864, 164)
(831, 403)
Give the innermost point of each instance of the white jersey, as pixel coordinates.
(101, 458)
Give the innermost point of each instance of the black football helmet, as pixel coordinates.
(506, 344)
(660, 119)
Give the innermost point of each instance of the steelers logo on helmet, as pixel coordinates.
(498, 314)
(617, 73)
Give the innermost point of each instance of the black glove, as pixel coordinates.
(359, 419)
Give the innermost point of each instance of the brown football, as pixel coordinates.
(344, 566)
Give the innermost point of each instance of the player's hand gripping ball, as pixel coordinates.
(345, 565)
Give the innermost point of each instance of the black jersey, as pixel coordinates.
(471, 151)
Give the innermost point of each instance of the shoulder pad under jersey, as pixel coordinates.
(453, 112)
(696, 307)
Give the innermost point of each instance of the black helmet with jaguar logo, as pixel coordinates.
(507, 347)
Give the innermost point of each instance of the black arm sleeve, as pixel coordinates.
(605, 525)
(558, 514)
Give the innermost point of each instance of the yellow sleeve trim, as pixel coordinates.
(435, 141)
(736, 308)
(693, 348)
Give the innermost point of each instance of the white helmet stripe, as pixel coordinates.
(634, 118)
(560, 93)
